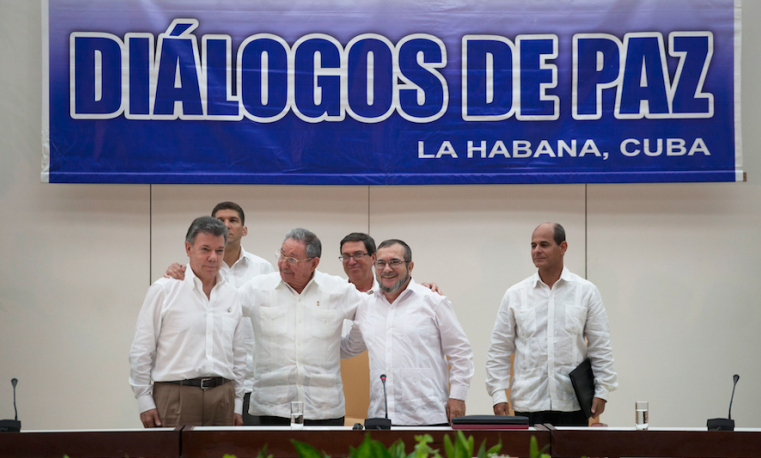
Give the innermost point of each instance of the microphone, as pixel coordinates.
(380, 423)
(14, 382)
(11, 426)
(385, 398)
(725, 424)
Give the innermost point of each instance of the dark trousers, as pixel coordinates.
(556, 418)
(248, 419)
(266, 420)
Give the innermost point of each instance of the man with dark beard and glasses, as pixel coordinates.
(409, 331)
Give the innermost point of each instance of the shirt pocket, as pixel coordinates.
(273, 321)
(525, 321)
(323, 324)
(575, 319)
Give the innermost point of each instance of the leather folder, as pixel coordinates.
(583, 380)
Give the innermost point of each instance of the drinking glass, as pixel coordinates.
(641, 412)
(297, 415)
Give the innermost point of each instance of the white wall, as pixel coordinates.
(677, 265)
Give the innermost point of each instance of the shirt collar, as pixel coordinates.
(317, 279)
(195, 283)
(241, 258)
(372, 289)
(536, 280)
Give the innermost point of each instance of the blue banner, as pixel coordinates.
(391, 92)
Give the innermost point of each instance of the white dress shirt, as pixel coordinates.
(409, 340)
(348, 323)
(182, 334)
(244, 269)
(298, 339)
(546, 329)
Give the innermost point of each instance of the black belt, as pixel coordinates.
(203, 383)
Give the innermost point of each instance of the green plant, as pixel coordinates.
(461, 448)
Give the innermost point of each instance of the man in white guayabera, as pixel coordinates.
(297, 315)
(551, 321)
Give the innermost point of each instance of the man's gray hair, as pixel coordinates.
(207, 225)
(314, 247)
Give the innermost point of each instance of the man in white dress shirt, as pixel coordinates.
(239, 266)
(189, 340)
(297, 316)
(409, 331)
(552, 321)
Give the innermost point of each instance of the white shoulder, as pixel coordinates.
(332, 284)
(262, 282)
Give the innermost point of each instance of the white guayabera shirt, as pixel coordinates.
(297, 343)
(409, 341)
(182, 334)
(546, 329)
(244, 269)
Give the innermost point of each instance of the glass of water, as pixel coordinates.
(297, 415)
(641, 411)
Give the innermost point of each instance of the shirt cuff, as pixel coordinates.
(238, 406)
(145, 403)
(499, 396)
(601, 391)
(458, 392)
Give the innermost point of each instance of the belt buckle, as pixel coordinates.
(203, 383)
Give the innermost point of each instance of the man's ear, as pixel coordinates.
(188, 246)
(410, 266)
(316, 263)
(245, 231)
(563, 247)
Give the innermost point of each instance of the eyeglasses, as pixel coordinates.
(394, 263)
(358, 256)
(289, 260)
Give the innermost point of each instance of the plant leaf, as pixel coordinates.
(396, 450)
(305, 450)
(448, 447)
(494, 450)
(482, 450)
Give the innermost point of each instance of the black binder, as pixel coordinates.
(583, 380)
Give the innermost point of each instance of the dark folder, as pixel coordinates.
(583, 380)
(489, 422)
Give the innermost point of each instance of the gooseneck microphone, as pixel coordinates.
(11, 426)
(380, 423)
(735, 378)
(725, 424)
(14, 382)
(385, 398)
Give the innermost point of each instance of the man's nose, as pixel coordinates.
(352, 260)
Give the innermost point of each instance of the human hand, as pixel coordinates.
(175, 271)
(455, 408)
(238, 420)
(433, 287)
(501, 408)
(598, 406)
(150, 418)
